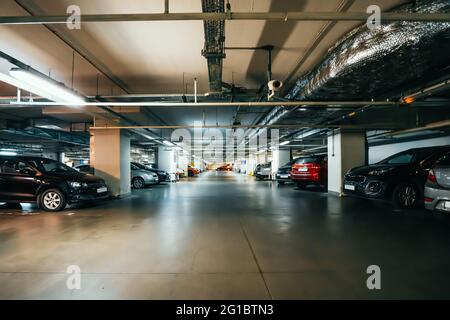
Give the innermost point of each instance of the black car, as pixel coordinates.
(284, 173)
(400, 178)
(163, 176)
(85, 169)
(50, 183)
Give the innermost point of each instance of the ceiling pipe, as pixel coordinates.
(275, 126)
(219, 16)
(305, 104)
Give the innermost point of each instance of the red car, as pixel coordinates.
(227, 167)
(310, 170)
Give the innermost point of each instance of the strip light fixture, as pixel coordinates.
(40, 86)
(46, 88)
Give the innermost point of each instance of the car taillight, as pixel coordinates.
(428, 200)
(431, 176)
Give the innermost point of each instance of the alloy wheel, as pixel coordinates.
(138, 183)
(407, 196)
(52, 200)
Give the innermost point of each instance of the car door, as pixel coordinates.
(18, 181)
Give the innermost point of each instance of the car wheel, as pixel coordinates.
(138, 183)
(52, 200)
(406, 196)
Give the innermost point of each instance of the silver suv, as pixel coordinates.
(437, 188)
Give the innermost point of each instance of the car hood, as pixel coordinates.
(75, 176)
(363, 170)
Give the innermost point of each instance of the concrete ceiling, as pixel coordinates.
(151, 57)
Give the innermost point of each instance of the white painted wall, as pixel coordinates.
(280, 158)
(166, 159)
(379, 153)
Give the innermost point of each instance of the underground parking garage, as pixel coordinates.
(224, 150)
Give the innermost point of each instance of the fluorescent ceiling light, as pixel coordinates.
(46, 88)
(284, 143)
(8, 153)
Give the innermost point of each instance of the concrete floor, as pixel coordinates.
(224, 236)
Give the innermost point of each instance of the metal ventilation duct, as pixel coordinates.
(214, 50)
(368, 63)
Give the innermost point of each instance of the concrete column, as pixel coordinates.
(183, 161)
(167, 159)
(280, 158)
(251, 164)
(345, 151)
(61, 156)
(110, 157)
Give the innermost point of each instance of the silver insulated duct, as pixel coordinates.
(371, 63)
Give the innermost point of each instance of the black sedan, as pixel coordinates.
(50, 183)
(284, 173)
(399, 178)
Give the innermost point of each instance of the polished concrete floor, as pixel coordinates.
(224, 236)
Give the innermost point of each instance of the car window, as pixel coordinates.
(308, 160)
(445, 160)
(408, 157)
(138, 166)
(14, 166)
(48, 165)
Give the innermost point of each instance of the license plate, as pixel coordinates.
(349, 187)
(102, 189)
(284, 176)
(447, 204)
(303, 169)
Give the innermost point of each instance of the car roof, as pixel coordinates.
(21, 157)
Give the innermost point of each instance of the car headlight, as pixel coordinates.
(75, 184)
(379, 172)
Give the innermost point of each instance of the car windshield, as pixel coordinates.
(140, 166)
(407, 157)
(48, 165)
(308, 160)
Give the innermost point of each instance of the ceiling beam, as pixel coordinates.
(275, 126)
(216, 16)
(303, 104)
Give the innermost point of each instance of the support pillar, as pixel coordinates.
(110, 157)
(167, 159)
(346, 149)
(183, 161)
(280, 158)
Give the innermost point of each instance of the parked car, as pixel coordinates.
(179, 173)
(399, 178)
(226, 167)
(283, 174)
(310, 170)
(437, 187)
(50, 183)
(141, 178)
(85, 168)
(163, 176)
(192, 171)
(263, 171)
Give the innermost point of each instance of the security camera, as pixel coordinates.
(274, 86)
